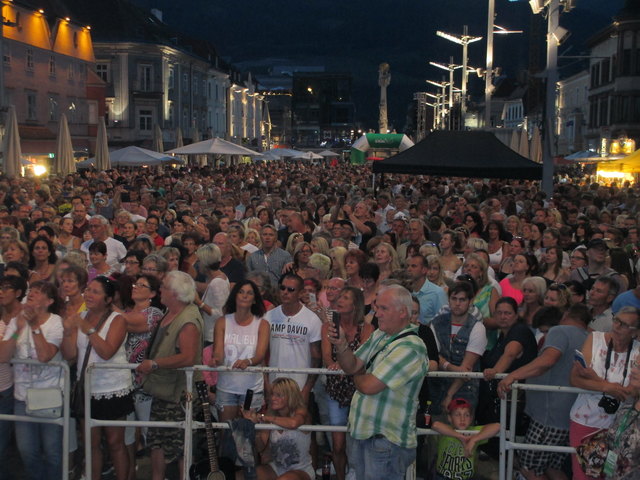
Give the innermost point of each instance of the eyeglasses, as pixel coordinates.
(288, 289)
(132, 262)
(149, 269)
(577, 257)
(95, 226)
(622, 324)
(4, 288)
(141, 285)
(557, 286)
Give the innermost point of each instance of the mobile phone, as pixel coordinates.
(248, 398)
(312, 298)
(578, 357)
(335, 318)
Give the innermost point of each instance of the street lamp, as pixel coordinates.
(465, 39)
(451, 67)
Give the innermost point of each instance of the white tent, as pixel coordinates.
(213, 146)
(134, 157)
(328, 153)
(310, 156)
(284, 152)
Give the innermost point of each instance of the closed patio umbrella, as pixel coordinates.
(11, 145)
(158, 144)
(65, 162)
(523, 149)
(103, 162)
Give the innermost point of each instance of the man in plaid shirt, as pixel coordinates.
(388, 372)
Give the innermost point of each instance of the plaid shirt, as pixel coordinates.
(401, 366)
(271, 263)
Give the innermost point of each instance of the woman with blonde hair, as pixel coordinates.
(435, 272)
(290, 447)
(513, 225)
(386, 257)
(533, 290)
(294, 240)
(320, 245)
(337, 261)
(487, 294)
(16, 251)
(253, 237)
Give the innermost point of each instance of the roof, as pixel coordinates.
(474, 154)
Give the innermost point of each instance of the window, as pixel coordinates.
(195, 85)
(72, 110)
(29, 59)
(185, 82)
(172, 114)
(31, 105)
(172, 77)
(102, 70)
(53, 108)
(52, 66)
(145, 120)
(6, 54)
(145, 78)
(70, 71)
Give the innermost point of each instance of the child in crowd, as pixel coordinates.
(457, 451)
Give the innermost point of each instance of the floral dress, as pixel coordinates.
(341, 387)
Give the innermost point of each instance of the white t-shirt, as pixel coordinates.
(291, 338)
(215, 297)
(249, 247)
(477, 339)
(27, 376)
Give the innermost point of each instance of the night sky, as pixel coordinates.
(357, 36)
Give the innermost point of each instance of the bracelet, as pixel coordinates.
(250, 362)
(445, 365)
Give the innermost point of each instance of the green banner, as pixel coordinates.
(384, 140)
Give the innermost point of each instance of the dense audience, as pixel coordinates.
(252, 265)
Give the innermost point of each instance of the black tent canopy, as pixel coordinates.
(474, 154)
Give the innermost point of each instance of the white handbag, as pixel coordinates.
(44, 402)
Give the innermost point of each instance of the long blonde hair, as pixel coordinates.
(289, 389)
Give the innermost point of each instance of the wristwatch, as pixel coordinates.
(91, 331)
(154, 365)
(37, 331)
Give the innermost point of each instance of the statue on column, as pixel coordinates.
(384, 79)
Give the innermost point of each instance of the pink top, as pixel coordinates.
(211, 378)
(509, 290)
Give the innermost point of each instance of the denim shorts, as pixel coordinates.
(338, 416)
(227, 399)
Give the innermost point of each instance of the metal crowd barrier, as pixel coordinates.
(508, 445)
(63, 421)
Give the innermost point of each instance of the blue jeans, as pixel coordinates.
(6, 408)
(376, 458)
(40, 446)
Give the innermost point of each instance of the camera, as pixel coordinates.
(609, 404)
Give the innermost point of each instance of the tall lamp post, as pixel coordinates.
(443, 95)
(555, 36)
(465, 39)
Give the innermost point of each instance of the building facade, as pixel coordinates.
(47, 71)
(573, 113)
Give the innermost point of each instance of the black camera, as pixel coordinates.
(609, 404)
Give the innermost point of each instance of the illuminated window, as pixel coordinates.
(31, 105)
(52, 66)
(145, 120)
(29, 60)
(102, 70)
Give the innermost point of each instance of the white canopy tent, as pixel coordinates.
(134, 157)
(213, 146)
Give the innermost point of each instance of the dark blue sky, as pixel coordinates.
(357, 36)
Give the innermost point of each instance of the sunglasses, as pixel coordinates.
(558, 286)
(288, 289)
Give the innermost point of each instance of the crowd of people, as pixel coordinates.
(297, 265)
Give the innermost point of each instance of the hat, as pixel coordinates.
(598, 243)
(457, 403)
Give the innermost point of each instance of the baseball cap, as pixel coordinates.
(598, 243)
(457, 403)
